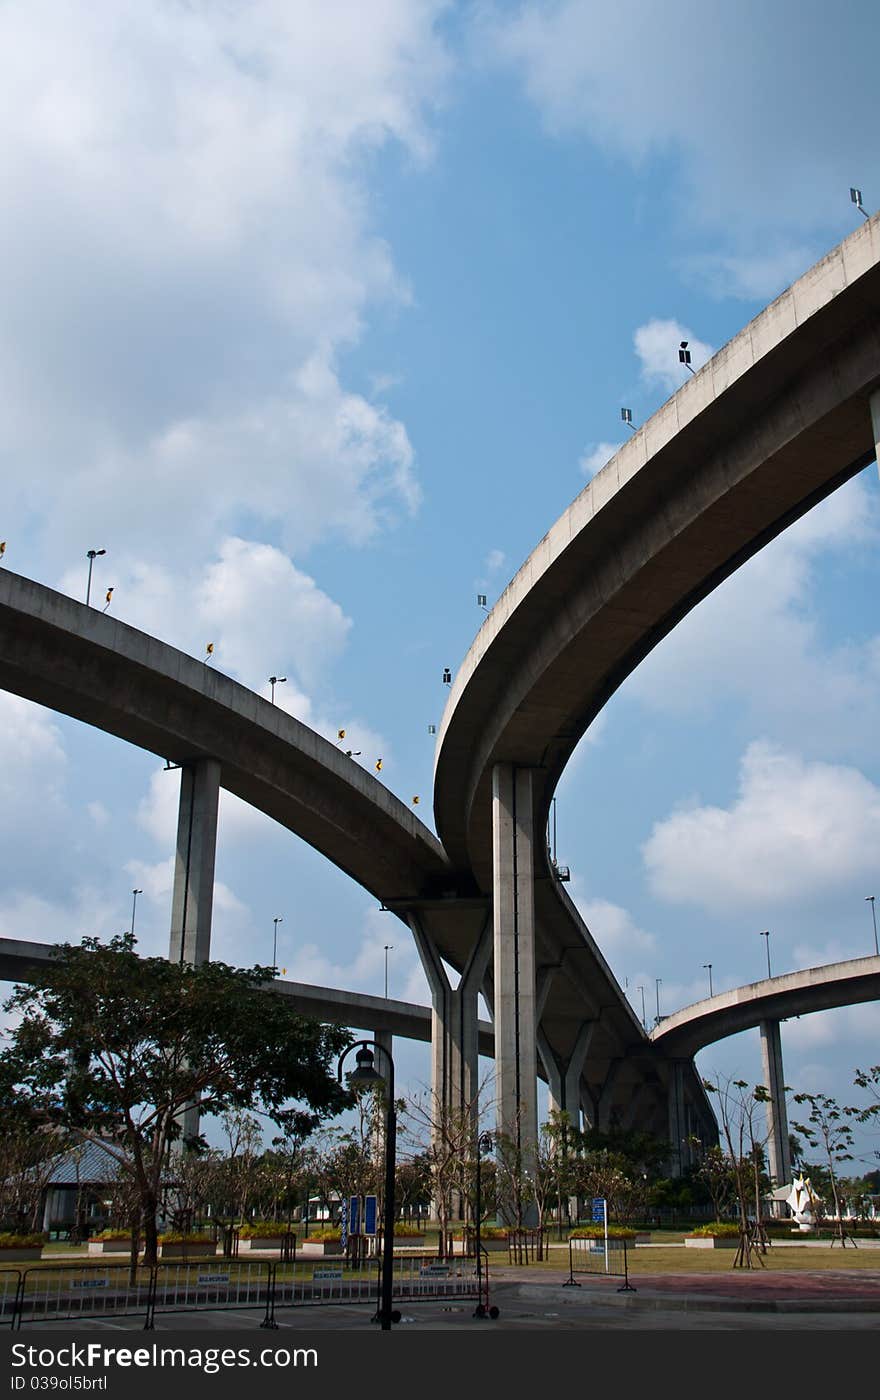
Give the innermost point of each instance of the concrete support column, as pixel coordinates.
(192, 900)
(564, 1076)
(778, 1151)
(678, 1130)
(455, 1049)
(604, 1117)
(516, 1069)
(589, 1112)
(875, 420)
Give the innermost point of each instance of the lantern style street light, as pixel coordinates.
(367, 1076)
(485, 1143)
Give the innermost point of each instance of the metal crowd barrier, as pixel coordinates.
(78, 1292)
(68, 1292)
(10, 1283)
(598, 1256)
(331, 1280)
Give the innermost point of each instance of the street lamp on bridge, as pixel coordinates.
(869, 899)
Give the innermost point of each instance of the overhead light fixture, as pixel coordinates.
(684, 356)
(856, 197)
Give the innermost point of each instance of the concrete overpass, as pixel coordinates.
(19, 958)
(765, 1004)
(694, 1027)
(97, 669)
(771, 425)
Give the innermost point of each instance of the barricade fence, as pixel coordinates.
(599, 1256)
(78, 1292)
(332, 1279)
(10, 1283)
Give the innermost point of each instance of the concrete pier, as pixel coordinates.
(192, 900)
(778, 1150)
(514, 966)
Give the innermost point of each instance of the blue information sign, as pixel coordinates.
(354, 1215)
(370, 1214)
(599, 1210)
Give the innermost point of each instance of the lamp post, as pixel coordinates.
(279, 919)
(485, 1143)
(657, 981)
(91, 555)
(134, 900)
(765, 933)
(869, 899)
(644, 1015)
(708, 967)
(366, 1074)
(273, 681)
(388, 948)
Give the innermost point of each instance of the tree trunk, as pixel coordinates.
(151, 1234)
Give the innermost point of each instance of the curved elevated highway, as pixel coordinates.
(19, 958)
(772, 424)
(773, 999)
(95, 668)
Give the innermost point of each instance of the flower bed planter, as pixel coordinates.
(14, 1256)
(195, 1249)
(711, 1242)
(320, 1248)
(110, 1246)
(260, 1242)
(492, 1246)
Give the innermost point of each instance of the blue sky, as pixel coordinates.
(316, 317)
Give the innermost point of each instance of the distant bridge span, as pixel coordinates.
(694, 1027)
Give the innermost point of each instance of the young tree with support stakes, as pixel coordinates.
(737, 1108)
(119, 1047)
(443, 1137)
(827, 1128)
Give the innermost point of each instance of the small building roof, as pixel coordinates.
(88, 1164)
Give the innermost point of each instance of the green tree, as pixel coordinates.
(738, 1106)
(119, 1047)
(828, 1128)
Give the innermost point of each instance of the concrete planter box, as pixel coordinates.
(261, 1242)
(320, 1248)
(491, 1246)
(14, 1256)
(710, 1242)
(191, 1250)
(109, 1247)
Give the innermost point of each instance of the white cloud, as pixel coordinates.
(796, 829)
(494, 561)
(657, 344)
(596, 456)
(365, 971)
(758, 276)
(191, 251)
(764, 106)
(32, 758)
(263, 614)
(614, 929)
(757, 643)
